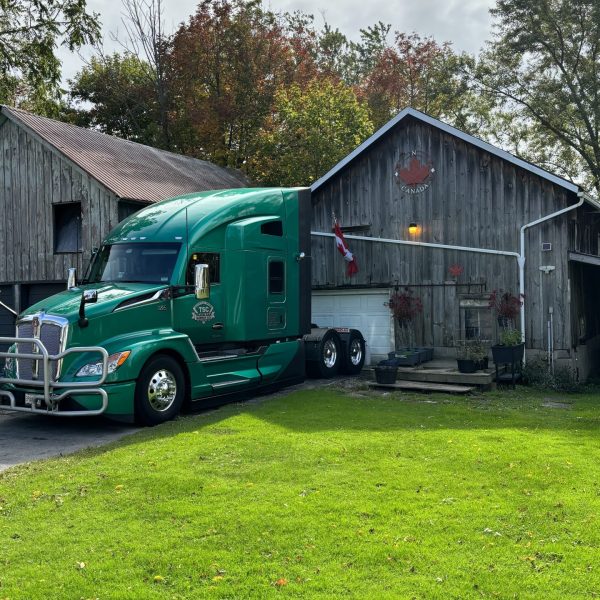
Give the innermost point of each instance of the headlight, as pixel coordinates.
(95, 369)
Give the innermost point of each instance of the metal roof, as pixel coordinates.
(411, 112)
(129, 169)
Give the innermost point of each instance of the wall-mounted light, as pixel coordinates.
(413, 228)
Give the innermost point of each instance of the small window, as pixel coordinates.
(67, 227)
(272, 228)
(476, 319)
(212, 259)
(276, 277)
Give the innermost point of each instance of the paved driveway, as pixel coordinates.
(24, 437)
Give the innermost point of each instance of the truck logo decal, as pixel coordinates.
(203, 312)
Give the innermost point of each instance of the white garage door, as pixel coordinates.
(364, 310)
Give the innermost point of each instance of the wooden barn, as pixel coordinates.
(427, 207)
(62, 188)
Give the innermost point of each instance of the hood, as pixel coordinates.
(110, 295)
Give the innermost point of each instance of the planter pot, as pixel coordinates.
(508, 354)
(411, 356)
(466, 365)
(385, 374)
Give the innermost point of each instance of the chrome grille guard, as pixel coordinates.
(47, 383)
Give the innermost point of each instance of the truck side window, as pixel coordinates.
(276, 277)
(212, 259)
(272, 228)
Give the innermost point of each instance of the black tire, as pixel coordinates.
(159, 391)
(354, 355)
(329, 354)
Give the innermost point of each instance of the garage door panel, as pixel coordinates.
(362, 310)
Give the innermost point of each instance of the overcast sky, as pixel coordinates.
(465, 23)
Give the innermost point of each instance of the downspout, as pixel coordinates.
(521, 257)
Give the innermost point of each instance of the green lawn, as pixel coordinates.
(320, 493)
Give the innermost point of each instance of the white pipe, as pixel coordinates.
(10, 310)
(521, 257)
(362, 238)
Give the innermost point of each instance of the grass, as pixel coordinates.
(319, 494)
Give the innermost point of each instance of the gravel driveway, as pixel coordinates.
(24, 437)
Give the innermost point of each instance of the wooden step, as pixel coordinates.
(450, 376)
(424, 386)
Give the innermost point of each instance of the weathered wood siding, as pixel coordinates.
(34, 177)
(475, 199)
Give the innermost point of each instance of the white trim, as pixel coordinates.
(452, 131)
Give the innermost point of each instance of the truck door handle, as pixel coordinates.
(218, 326)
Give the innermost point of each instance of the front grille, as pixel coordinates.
(50, 336)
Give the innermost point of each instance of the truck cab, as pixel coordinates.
(193, 298)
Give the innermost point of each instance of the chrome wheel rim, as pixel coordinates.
(162, 390)
(356, 352)
(329, 354)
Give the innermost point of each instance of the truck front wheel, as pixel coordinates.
(159, 391)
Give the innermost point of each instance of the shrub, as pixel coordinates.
(537, 374)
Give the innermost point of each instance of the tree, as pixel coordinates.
(416, 72)
(30, 30)
(121, 97)
(311, 129)
(541, 71)
(228, 61)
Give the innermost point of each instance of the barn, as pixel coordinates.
(63, 188)
(427, 207)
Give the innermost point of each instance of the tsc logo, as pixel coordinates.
(203, 312)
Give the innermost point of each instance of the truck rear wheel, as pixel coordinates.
(329, 357)
(159, 391)
(355, 354)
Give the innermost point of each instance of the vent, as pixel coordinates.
(546, 246)
(50, 335)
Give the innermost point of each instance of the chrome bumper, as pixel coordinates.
(48, 384)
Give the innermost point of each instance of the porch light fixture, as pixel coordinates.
(413, 228)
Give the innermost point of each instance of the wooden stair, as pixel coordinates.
(424, 386)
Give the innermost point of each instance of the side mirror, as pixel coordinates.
(201, 282)
(90, 296)
(71, 278)
(87, 297)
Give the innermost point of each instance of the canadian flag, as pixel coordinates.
(340, 242)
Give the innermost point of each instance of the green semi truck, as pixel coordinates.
(194, 299)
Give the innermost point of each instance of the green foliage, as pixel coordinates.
(538, 374)
(319, 494)
(510, 337)
(30, 31)
(540, 75)
(119, 90)
(312, 128)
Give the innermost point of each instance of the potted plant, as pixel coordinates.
(405, 307)
(510, 349)
(471, 355)
(385, 372)
(506, 306)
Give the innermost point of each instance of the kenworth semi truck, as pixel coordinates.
(194, 299)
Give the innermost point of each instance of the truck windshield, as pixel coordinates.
(141, 262)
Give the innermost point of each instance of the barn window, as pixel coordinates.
(67, 227)
(476, 319)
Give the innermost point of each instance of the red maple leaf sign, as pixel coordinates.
(416, 173)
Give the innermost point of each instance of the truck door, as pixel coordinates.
(201, 320)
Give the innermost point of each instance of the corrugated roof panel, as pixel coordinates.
(129, 169)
